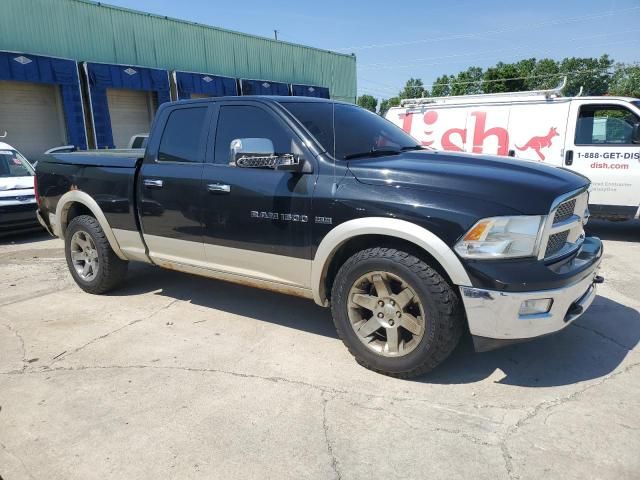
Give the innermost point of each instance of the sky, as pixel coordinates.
(396, 40)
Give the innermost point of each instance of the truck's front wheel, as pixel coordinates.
(92, 262)
(395, 313)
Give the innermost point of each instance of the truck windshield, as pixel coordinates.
(12, 164)
(357, 132)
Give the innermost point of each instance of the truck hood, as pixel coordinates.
(528, 187)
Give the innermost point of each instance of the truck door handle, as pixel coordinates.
(219, 188)
(568, 157)
(149, 183)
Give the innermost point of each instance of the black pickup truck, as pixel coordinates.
(409, 247)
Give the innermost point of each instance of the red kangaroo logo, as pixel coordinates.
(536, 143)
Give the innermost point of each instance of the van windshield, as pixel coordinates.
(357, 132)
(12, 164)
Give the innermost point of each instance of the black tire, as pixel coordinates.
(111, 270)
(444, 315)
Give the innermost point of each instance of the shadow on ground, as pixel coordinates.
(588, 349)
(593, 346)
(22, 238)
(261, 305)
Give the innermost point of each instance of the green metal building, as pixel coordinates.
(127, 62)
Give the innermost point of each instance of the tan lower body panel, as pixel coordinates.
(265, 270)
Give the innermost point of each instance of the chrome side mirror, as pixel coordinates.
(260, 153)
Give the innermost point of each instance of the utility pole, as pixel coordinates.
(275, 34)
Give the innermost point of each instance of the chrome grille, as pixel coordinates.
(565, 211)
(556, 243)
(564, 232)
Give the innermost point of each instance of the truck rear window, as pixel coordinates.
(12, 164)
(182, 139)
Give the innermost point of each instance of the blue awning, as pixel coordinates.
(310, 91)
(204, 84)
(24, 67)
(102, 76)
(263, 87)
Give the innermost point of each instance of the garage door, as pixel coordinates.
(31, 114)
(131, 112)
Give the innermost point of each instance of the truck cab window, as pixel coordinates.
(182, 139)
(244, 121)
(605, 125)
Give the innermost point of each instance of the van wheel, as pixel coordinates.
(395, 314)
(92, 262)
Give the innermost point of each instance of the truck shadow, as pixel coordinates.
(21, 238)
(261, 305)
(594, 346)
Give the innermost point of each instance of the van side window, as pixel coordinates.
(182, 138)
(249, 122)
(605, 125)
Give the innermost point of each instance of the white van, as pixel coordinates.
(598, 137)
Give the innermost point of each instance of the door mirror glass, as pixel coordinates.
(260, 153)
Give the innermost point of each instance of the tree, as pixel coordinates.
(386, 104)
(591, 73)
(414, 88)
(441, 87)
(625, 81)
(544, 75)
(369, 102)
(468, 82)
(504, 77)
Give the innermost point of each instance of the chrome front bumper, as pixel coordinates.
(496, 315)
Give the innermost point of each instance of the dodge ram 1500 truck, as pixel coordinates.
(322, 199)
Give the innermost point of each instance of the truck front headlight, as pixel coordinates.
(502, 237)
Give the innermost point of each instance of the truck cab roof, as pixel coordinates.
(265, 99)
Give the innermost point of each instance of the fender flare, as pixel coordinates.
(77, 196)
(390, 227)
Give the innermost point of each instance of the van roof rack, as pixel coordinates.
(483, 97)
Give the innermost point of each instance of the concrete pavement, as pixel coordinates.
(175, 376)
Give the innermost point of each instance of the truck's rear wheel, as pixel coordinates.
(395, 313)
(92, 262)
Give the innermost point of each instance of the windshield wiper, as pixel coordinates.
(372, 153)
(412, 147)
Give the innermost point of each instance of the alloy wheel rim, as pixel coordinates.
(84, 256)
(386, 314)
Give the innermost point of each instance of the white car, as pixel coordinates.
(17, 197)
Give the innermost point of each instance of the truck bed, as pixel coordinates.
(123, 158)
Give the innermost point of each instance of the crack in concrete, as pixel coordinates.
(602, 335)
(24, 466)
(545, 406)
(467, 436)
(102, 337)
(22, 346)
(26, 297)
(322, 388)
(325, 426)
